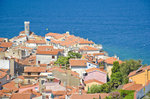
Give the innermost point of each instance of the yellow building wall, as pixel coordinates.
(149, 75)
(90, 84)
(141, 78)
(109, 72)
(32, 80)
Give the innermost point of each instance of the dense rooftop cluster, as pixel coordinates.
(29, 67)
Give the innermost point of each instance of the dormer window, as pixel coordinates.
(29, 73)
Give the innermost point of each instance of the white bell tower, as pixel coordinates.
(27, 28)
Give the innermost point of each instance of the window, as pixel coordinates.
(28, 81)
(38, 73)
(29, 73)
(36, 88)
(89, 64)
(53, 57)
(38, 62)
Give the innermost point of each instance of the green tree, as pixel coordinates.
(127, 67)
(94, 89)
(116, 67)
(74, 55)
(119, 76)
(116, 79)
(62, 61)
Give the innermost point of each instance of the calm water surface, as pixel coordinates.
(121, 26)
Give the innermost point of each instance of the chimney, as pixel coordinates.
(115, 56)
(67, 32)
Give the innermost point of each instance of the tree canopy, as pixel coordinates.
(119, 76)
(64, 61)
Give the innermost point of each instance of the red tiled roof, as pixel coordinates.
(34, 69)
(37, 41)
(2, 49)
(85, 42)
(30, 91)
(51, 34)
(22, 32)
(88, 48)
(55, 35)
(28, 61)
(21, 36)
(1, 39)
(93, 80)
(111, 60)
(6, 44)
(96, 54)
(2, 74)
(44, 48)
(10, 86)
(59, 92)
(21, 96)
(89, 96)
(132, 86)
(4, 70)
(95, 69)
(21, 77)
(29, 48)
(27, 86)
(53, 52)
(78, 62)
(140, 71)
(43, 65)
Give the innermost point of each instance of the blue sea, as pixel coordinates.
(121, 26)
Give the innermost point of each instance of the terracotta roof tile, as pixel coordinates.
(21, 77)
(22, 32)
(28, 61)
(89, 96)
(21, 96)
(78, 62)
(93, 80)
(95, 69)
(4, 70)
(1, 39)
(139, 71)
(88, 48)
(37, 41)
(59, 92)
(53, 52)
(97, 54)
(85, 42)
(30, 91)
(44, 48)
(34, 69)
(132, 86)
(51, 34)
(10, 86)
(6, 44)
(110, 60)
(2, 74)
(2, 49)
(26, 86)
